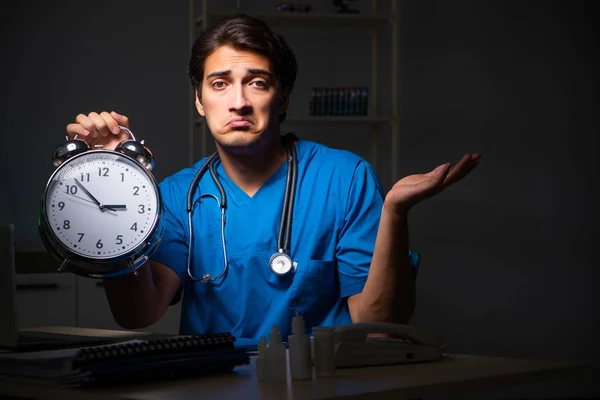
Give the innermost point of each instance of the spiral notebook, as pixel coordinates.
(128, 362)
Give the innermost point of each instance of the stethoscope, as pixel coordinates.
(280, 262)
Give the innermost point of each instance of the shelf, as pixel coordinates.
(303, 19)
(337, 120)
(330, 120)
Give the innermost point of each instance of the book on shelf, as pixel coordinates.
(127, 362)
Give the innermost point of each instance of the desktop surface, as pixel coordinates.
(455, 374)
(458, 373)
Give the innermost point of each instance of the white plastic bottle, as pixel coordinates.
(324, 351)
(276, 357)
(261, 359)
(299, 349)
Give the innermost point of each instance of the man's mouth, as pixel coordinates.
(239, 123)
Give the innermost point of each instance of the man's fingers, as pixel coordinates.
(88, 124)
(440, 173)
(100, 123)
(100, 129)
(77, 130)
(121, 119)
(462, 168)
(111, 123)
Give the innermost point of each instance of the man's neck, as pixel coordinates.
(251, 170)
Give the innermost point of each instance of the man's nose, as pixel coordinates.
(239, 102)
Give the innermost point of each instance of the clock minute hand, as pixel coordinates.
(88, 193)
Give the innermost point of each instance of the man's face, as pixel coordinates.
(240, 98)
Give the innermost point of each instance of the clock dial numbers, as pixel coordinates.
(103, 171)
(102, 205)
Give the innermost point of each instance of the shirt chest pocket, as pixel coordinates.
(314, 290)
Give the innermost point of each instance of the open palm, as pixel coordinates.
(413, 189)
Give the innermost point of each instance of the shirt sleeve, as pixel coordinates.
(172, 250)
(356, 243)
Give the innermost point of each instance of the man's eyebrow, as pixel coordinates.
(219, 73)
(260, 71)
(251, 71)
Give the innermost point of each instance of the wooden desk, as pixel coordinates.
(459, 373)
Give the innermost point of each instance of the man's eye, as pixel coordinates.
(260, 84)
(218, 85)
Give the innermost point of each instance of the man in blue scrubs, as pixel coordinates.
(349, 240)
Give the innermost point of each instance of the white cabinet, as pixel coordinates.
(46, 299)
(65, 299)
(93, 310)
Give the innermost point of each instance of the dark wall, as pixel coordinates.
(66, 57)
(509, 255)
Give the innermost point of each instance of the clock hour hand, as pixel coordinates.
(113, 207)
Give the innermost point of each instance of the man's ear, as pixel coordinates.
(284, 100)
(199, 105)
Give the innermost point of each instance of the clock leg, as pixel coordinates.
(133, 267)
(63, 265)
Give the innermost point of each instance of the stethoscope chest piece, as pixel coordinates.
(281, 263)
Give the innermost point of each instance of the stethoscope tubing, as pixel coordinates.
(285, 226)
(283, 245)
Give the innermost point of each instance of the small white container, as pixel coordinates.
(276, 369)
(324, 351)
(261, 359)
(299, 350)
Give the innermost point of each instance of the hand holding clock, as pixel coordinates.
(99, 129)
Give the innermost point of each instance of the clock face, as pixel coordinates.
(101, 205)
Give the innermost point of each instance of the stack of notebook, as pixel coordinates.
(128, 362)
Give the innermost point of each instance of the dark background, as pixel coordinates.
(509, 265)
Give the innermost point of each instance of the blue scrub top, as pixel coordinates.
(335, 219)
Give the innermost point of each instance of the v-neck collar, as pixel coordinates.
(238, 196)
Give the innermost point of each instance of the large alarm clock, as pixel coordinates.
(100, 214)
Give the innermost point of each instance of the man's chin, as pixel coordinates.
(239, 140)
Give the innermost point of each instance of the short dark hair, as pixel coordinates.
(245, 33)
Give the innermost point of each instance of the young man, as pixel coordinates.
(349, 243)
